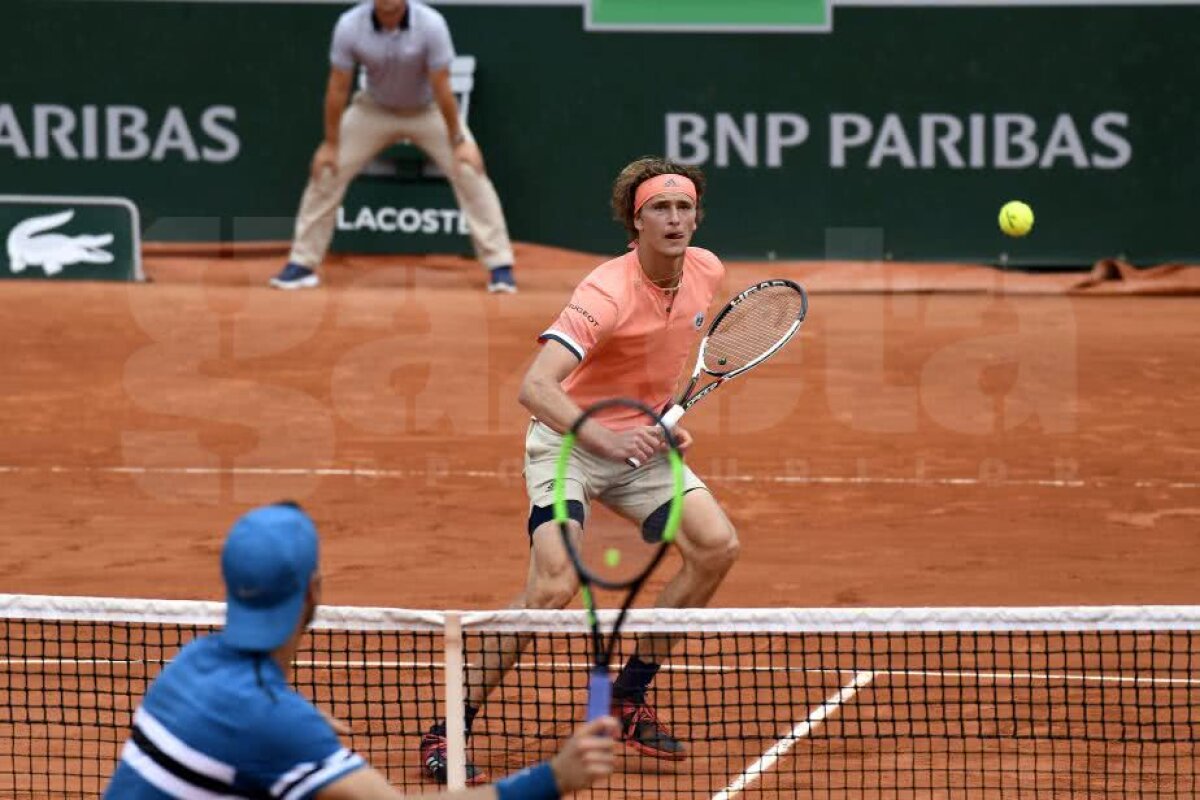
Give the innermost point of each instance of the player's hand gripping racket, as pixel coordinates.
(613, 553)
(751, 328)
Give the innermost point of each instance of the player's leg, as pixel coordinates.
(476, 196)
(550, 582)
(709, 546)
(366, 129)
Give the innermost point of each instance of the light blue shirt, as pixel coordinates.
(219, 722)
(397, 62)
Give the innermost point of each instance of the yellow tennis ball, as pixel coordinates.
(612, 557)
(1016, 218)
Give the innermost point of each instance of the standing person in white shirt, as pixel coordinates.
(406, 50)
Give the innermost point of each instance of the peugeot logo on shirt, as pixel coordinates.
(699, 320)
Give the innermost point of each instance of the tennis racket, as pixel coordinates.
(751, 328)
(613, 553)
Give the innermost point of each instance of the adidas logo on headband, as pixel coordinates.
(662, 183)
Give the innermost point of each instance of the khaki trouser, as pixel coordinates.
(366, 129)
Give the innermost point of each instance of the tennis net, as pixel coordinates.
(770, 703)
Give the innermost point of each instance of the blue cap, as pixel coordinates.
(269, 558)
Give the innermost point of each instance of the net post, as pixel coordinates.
(456, 738)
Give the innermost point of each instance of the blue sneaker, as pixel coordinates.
(296, 276)
(501, 281)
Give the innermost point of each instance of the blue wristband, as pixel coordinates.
(531, 783)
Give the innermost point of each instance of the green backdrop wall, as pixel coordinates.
(900, 132)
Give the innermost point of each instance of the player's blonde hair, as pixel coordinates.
(625, 186)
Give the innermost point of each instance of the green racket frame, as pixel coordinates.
(600, 685)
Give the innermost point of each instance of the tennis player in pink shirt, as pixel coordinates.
(627, 331)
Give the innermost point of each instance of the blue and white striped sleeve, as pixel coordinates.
(299, 752)
(305, 779)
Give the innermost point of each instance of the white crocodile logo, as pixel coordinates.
(53, 251)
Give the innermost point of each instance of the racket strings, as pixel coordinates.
(752, 328)
(613, 548)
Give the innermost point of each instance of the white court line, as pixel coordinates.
(818, 715)
(945, 675)
(439, 475)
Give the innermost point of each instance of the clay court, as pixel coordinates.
(941, 436)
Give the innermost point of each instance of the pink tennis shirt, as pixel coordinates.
(633, 339)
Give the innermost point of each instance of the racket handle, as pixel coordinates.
(670, 419)
(599, 694)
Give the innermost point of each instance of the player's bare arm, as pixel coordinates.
(367, 784)
(337, 93)
(464, 148)
(363, 784)
(542, 393)
(585, 758)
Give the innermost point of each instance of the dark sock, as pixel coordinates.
(634, 679)
(469, 714)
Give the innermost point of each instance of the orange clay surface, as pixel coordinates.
(953, 448)
(945, 449)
